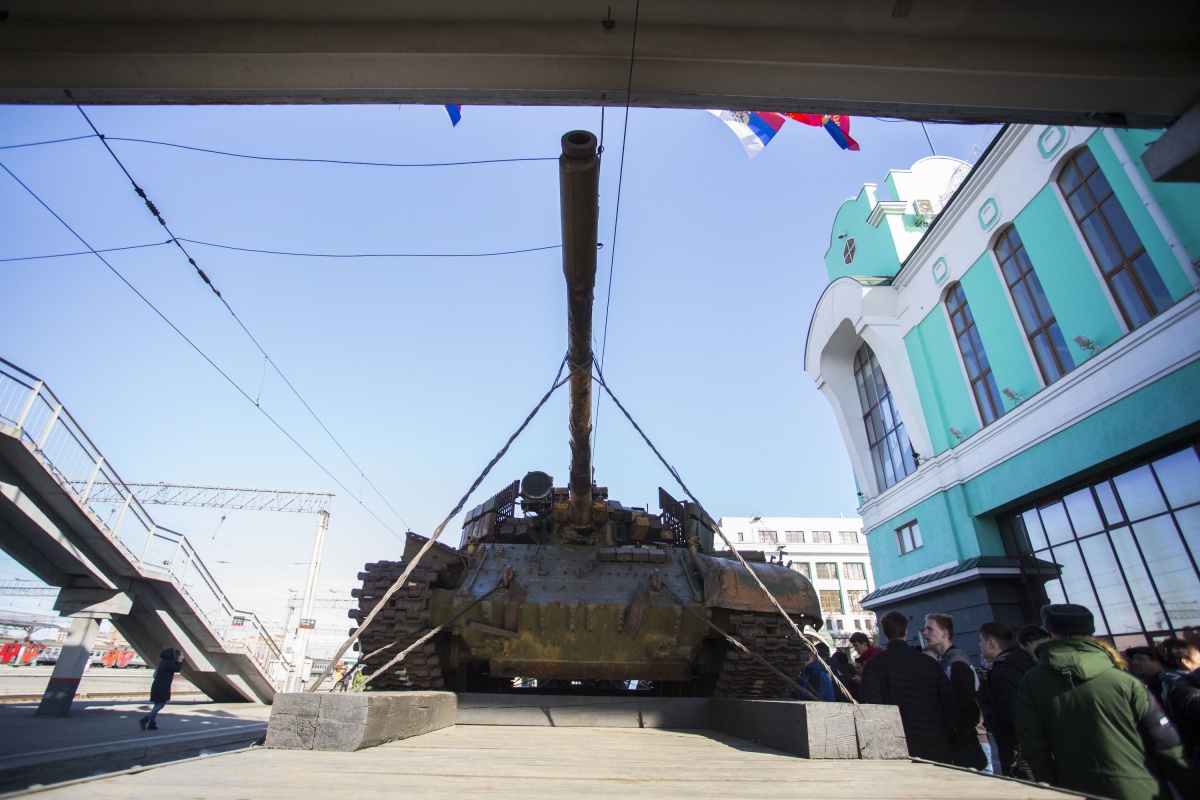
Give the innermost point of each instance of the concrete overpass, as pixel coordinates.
(66, 516)
(1095, 62)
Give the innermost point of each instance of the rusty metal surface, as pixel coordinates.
(727, 584)
(581, 616)
(579, 181)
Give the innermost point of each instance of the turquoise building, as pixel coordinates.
(1010, 351)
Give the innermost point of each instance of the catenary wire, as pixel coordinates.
(612, 256)
(374, 255)
(88, 252)
(196, 347)
(411, 563)
(339, 161)
(154, 210)
(48, 141)
(220, 246)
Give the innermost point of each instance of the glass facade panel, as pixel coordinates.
(1108, 503)
(1036, 533)
(1077, 582)
(1172, 571)
(1085, 516)
(1179, 475)
(1189, 523)
(1110, 584)
(1141, 580)
(1145, 598)
(1139, 493)
(1054, 520)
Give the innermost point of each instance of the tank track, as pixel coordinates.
(769, 636)
(405, 619)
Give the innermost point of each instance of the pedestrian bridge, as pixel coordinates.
(67, 517)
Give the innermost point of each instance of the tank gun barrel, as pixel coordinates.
(579, 184)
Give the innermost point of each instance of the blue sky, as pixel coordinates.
(422, 367)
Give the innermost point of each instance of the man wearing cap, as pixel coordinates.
(1085, 724)
(1144, 663)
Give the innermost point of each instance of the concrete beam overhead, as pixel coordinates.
(1067, 62)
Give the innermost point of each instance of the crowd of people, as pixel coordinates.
(1048, 703)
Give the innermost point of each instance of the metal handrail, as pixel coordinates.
(73, 460)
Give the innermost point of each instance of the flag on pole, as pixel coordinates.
(837, 126)
(455, 113)
(755, 129)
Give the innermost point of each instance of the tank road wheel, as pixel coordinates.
(770, 637)
(403, 620)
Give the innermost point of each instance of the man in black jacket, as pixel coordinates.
(904, 677)
(1009, 663)
(970, 738)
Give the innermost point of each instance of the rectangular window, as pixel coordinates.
(794, 537)
(1132, 278)
(831, 601)
(1041, 327)
(741, 537)
(848, 537)
(891, 452)
(822, 537)
(854, 571)
(909, 537)
(975, 360)
(827, 570)
(770, 537)
(854, 600)
(803, 568)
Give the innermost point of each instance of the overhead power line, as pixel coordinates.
(293, 160)
(199, 351)
(290, 254)
(154, 210)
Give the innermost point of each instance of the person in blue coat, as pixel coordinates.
(160, 689)
(815, 678)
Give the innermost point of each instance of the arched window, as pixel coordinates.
(979, 369)
(891, 452)
(1045, 339)
(1132, 278)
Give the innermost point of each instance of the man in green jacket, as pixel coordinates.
(1085, 724)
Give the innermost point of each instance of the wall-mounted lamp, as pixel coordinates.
(841, 234)
(1013, 396)
(956, 433)
(1087, 344)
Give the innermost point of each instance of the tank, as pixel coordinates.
(579, 592)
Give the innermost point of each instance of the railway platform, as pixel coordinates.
(104, 737)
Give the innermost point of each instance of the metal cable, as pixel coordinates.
(558, 381)
(194, 346)
(739, 645)
(795, 629)
(400, 656)
(612, 257)
(179, 243)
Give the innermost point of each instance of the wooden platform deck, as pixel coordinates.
(530, 762)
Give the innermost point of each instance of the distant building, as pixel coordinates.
(1011, 354)
(829, 551)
